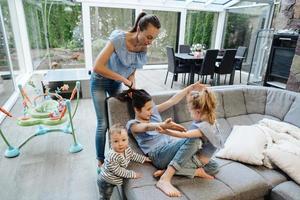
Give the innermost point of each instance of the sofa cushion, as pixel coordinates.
(239, 120)
(234, 103)
(278, 103)
(255, 118)
(224, 128)
(203, 189)
(245, 144)
(287, 190)
(272, 177)
(245, 183)
(147, 169)
(149, 192)
(114, 108)
(220, 107)
(159, 98)
(181, 112)
(255, 100)
(293, 114)
(289, 162)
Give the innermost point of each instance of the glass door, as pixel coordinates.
(6, 77)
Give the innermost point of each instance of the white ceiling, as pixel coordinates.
(207, 5)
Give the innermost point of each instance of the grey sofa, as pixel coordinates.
(237, 105)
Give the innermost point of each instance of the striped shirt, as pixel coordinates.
(114, 167)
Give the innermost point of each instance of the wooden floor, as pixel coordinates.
(45, 170)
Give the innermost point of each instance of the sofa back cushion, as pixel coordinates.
(234, 102)
(220, 107)
(181, 112)
(117, 111)
(278, 103)
(160, 98)
(293, 115)
(255, 99)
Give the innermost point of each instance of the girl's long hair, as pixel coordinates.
(204, 101)
(138, 99)
(143, 20)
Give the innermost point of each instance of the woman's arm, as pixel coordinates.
(151, 126)
(101, 65)
(143, 127)
(179, 96)
(132, 79)
(188, 134)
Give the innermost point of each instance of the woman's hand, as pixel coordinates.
(169, 124)
(128, 83)
(148, 159)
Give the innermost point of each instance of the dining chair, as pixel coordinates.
(227, 64)
(238, 63)
(184, 48)
(208, 65)
(174, 66)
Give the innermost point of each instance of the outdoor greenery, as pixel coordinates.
(104, 21)
(48, 21)
(199, 28)
(237, 31)
(62, 29)
(168, 36)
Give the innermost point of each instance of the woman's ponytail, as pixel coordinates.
(143, 20)
(134, 28)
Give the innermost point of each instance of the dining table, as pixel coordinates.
(191, 58)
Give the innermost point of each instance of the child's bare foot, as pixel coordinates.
(158, 173)
(168, 188)
(202, 174)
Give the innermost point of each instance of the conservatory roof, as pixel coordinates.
(207, 5)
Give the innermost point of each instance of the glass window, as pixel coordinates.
(242, 27)
(201, 28)
(168, 36)
(10, 37)
(104, 21)
(6, 81)
(55, 34)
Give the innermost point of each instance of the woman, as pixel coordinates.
(117, 62)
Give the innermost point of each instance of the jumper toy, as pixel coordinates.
(11, 151)
(45, 111)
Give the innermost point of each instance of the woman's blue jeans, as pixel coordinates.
(179, 154)
(101, 88)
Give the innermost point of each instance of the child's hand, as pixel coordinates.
(197, 86)
(138, 175)
(169, 124)
(148, 159)
(160, 130)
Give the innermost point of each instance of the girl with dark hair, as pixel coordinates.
(116, 64)
(166, 152)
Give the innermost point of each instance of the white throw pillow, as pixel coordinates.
(245, 144)
(285, 160)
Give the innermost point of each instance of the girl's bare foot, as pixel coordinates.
(202, 174)
(158, 173)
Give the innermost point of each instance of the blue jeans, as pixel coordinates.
(179, 154)
(101, 88)
(105, 189)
